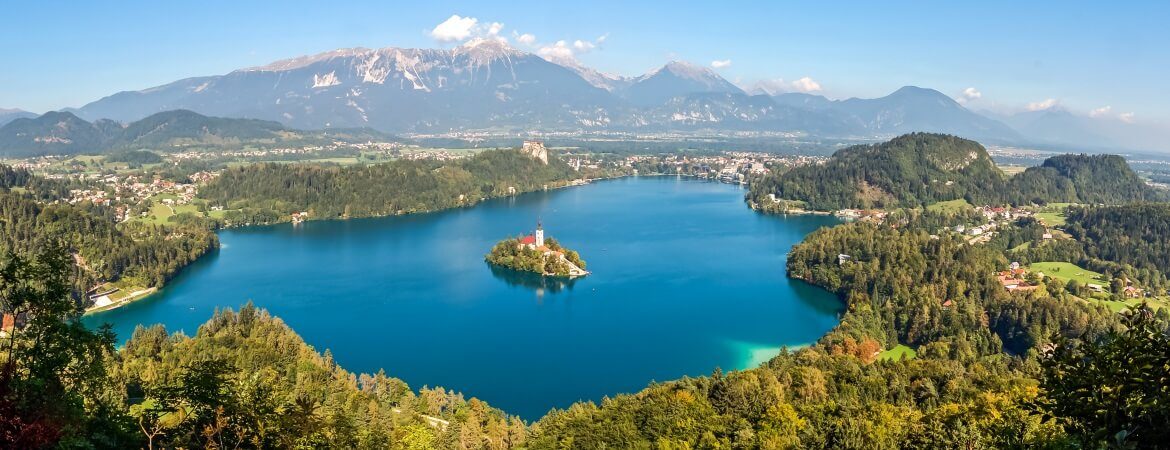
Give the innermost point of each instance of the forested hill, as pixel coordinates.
(150, 254)
(273, 191)
(1091, 179)
(909, 170)
(32, 219)
(921, 168)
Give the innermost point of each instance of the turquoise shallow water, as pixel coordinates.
(685, 279)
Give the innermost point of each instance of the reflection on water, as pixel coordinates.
(538, 283)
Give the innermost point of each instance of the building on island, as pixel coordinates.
(535, 241)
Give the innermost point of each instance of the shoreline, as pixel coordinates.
(133, 297)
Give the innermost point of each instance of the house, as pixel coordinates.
(8, 324)
(842, 258)
(1095, 287)
(1132, 292)
(947, 304)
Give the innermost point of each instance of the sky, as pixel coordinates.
(1107, 59)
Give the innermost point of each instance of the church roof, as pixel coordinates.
(530, 239)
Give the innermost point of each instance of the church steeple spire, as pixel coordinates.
(539, 234)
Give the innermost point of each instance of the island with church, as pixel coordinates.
(534, 253)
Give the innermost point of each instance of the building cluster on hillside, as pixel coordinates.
(868, 215)
(1014, 279)
(122, 190)
(997, 217)
(433, 155)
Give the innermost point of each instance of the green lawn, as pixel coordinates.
(159, 212)
(1053, 214)
(897, 353)
(951, 206)
(1155, 303)
(1069, 271)
(1052, 219)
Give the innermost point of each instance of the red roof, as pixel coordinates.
(530, 239)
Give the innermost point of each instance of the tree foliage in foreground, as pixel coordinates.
(1115, 391)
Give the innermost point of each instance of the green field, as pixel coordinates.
(897, 353)
(1053, 214)
(1052, 219)
(1155, 303)
(951, 206)
(1069, 271)
(160, 212)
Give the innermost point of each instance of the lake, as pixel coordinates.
(685, 279)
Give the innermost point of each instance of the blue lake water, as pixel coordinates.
(685, 279)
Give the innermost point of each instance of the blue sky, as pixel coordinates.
(1082, 56)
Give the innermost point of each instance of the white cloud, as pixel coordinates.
(564, 52)
(494, 28)
(1101, 112)
(720, 63)
(968, 95)
(1126, 117)
(455, 28)
(558, 51)
(806, 84)
(779, 86)
(526, 39)
(1043, 104)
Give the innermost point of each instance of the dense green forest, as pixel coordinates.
(909, 170)
(273, 191)
(923, 168)
(103, 250)
(1089, 179)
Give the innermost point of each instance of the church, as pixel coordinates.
(536, 240)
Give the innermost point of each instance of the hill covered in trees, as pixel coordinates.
(32, 217)
(62, 133)
(1089, 179)
(273, 191)
(910, 170)
(922, 168)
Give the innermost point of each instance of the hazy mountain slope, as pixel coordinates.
(63, 133)
(676, 79)
(8, 115)
(912, 109)
(51, 133)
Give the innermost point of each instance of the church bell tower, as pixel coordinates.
(539, 235)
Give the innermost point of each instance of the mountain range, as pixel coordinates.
(485, 84)
(62, 132)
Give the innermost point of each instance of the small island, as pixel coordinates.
(533, 253)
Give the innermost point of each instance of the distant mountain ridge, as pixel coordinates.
(8, 115)
(486, 84)
(60, 132)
